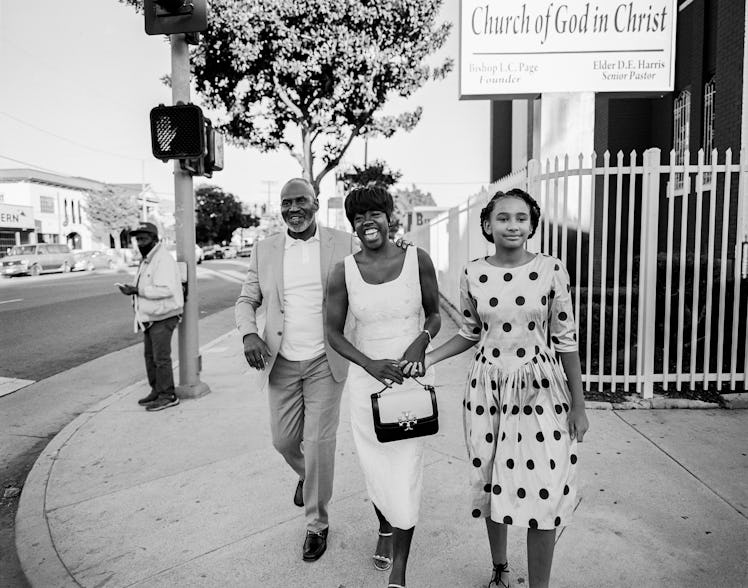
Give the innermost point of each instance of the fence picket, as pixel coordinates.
(723, 265)
(616, 268)
(555, 209)
(565, 216)
(710, 265)
(696, 269)
(682, 278)
(604, 264)
(736, 283)
(668, 271)
(629, 270)
(578, 276)
(590, 269)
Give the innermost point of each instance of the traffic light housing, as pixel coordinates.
(177, 132)
(182, 132)
(214, 154)
(168, 17)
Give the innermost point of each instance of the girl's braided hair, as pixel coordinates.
(485, 214)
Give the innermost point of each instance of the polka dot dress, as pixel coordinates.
(523, 461)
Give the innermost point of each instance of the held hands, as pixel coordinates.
(256, 351)
(413, 362)
(578, 423)
(386, 371)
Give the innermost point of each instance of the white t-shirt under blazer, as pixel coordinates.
(303, 334)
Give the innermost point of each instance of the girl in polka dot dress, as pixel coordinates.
(523, 411)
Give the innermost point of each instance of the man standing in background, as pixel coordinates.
(158, 302)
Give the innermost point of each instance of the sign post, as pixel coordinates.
(177, 18)
(190, 385)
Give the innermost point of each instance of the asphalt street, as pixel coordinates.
(59, 321)
(66, 328)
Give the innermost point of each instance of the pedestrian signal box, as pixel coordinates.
(178, 132)
(169, 17)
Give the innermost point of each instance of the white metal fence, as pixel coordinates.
(654, 251)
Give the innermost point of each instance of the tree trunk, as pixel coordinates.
(308, 156)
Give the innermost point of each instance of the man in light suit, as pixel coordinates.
(288, 273)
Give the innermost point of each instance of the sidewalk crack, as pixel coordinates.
(674, 459)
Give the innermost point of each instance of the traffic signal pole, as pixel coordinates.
(190, 385)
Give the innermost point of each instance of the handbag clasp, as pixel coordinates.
(407, 420)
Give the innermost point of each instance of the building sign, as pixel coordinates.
(511, 48)
(16, 217)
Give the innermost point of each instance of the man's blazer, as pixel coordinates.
(264, 285)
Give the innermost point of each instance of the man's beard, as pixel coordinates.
(146, 249)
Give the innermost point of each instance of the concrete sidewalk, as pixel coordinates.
(196, 496)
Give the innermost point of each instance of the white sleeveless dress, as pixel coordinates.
(388, 319)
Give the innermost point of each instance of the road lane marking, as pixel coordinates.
(8, 385)
(230, 275)
(9, 301)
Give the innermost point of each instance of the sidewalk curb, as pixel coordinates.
(736, 400)
(35, 547)
(731, 400)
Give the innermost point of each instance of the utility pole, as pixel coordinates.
(144, 209)
(190, 385)
(269, 184)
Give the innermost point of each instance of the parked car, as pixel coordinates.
(245, 251)
(172, 248)
(212, 252)
(37, 259)
(228, 252)
(90, 260)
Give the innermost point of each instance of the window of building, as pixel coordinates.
(47, 204)
(48, 238)
(681, 132)
(2, 197)
(709, 95)
(65, 208)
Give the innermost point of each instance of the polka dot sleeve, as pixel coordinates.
(470, 329)
(561, 312)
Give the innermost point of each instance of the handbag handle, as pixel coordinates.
(428, 387)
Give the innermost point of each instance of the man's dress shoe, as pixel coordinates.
(298, 497)
(315, 545)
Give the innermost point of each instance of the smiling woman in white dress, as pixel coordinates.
(389, 291)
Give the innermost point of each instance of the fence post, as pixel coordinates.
(532, 186)
(647, 318)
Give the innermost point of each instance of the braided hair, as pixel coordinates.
(485, 214)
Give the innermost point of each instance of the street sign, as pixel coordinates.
(168, 17)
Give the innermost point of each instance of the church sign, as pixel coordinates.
(513, 48)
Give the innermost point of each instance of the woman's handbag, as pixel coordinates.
(405, 414)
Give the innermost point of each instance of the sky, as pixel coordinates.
(79, 77)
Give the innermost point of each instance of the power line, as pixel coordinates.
(52, 66)
(35, 166)
(71, 141)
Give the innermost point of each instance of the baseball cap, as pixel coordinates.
(145, 227)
